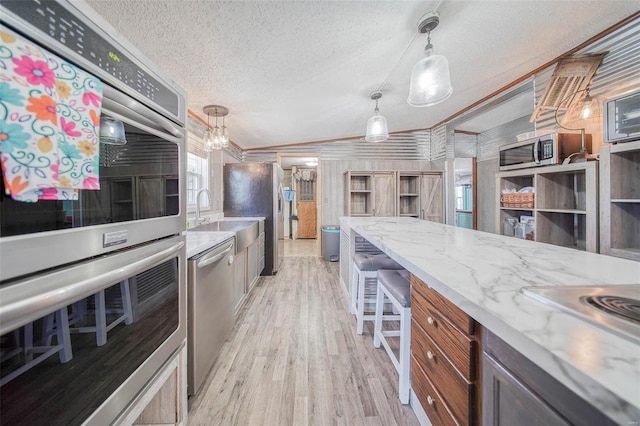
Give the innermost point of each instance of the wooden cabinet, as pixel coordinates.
(260, 253)
(370, 193)
(443, 357)
(565, 204)
(432, 196)
(252, 265)
(239, 280)
(620, 200)
(410, 194)
(517, 392)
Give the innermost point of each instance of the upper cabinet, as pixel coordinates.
(392, 193)
(369, 193)
(620, 200)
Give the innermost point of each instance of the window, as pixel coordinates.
(197, 179)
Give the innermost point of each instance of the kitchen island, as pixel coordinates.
(483, 274)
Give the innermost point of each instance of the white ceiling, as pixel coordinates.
(299, 71)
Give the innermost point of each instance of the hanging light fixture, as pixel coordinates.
(377, 125)
(430, 81)
(216, 138)
(578, 112)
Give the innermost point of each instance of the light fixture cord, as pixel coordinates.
(376, 110)
(384, 82)
(381, 87)
(582, 153)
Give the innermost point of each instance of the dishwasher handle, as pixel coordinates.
(213, 257)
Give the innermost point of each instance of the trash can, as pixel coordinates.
(331, 243)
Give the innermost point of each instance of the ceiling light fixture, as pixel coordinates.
(377, 125)
(217, 138)
(430, 80)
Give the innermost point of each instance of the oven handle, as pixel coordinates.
(33, 298)
(122, 107)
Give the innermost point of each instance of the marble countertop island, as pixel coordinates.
(197, 242)
(483, 274)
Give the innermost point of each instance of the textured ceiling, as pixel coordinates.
(298, 71)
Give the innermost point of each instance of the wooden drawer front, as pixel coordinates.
(456, 315)
(456, 391)
(460, 348)
(437, 411)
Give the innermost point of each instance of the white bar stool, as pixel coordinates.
(394, 284)
(365, 266)
(62, 346)
(101, 328)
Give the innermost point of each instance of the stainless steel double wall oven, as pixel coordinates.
(92, 291)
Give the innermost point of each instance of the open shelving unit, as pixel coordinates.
(408, 194)
(565, 203)
(620, 200)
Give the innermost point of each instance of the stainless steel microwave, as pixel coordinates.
(622, 118)
(542, 150)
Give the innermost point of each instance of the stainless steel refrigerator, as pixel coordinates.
(255, 189)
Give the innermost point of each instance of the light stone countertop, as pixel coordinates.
(483, 273)
(243, 218)
(200, 241)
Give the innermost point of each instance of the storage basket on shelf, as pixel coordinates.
(518, 200)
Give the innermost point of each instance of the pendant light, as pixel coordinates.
(217, 138)
(430, 81)
(377, 125)
(577, 116)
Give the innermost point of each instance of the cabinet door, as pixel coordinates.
(240, 279)
(506, 401)
(432, 197)
(252, 265)
(150, 197)
(384, 194)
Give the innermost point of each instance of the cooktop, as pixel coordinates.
(614, 308)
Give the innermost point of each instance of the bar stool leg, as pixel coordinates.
(354, 289)
(125, 293)
(405, 345)
(101, 319)
(360, 303)
(63, 335)
(378, 319)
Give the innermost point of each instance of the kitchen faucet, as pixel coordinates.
(200, 220)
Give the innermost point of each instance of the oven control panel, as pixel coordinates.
(54, 20)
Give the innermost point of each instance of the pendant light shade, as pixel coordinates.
(377, 130)
(430, 80)
(112, 131)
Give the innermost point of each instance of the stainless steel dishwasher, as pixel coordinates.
(210, 309)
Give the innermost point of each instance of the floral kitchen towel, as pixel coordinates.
(49, 123)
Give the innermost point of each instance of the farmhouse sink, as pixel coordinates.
(246, 231)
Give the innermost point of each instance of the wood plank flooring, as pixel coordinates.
(294, 358)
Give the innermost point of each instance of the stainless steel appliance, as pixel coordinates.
(252, 190)
(622, 118)
(68, 267)
(211, 313)
(140, 197)
(614, 308)
(542, 150)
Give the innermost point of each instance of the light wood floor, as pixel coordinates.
(294, 358)
(301, 247)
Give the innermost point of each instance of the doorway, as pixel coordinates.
(465, 194)
(302, 202)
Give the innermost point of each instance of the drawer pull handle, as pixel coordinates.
(430, 400)
(431, 321)
(429, 355)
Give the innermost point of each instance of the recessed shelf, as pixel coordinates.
(564, 211)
